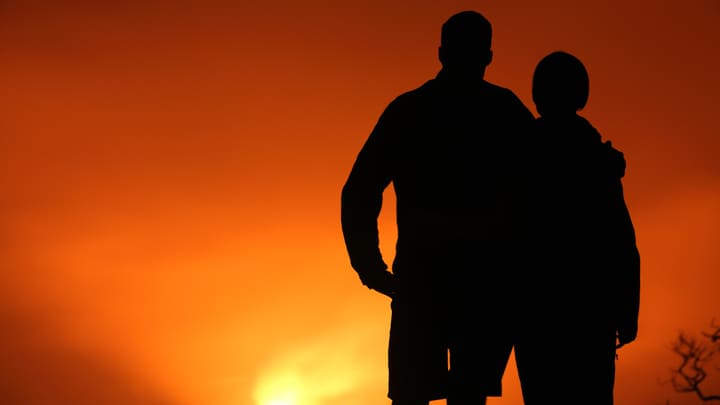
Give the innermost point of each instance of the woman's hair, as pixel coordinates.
(560, 83)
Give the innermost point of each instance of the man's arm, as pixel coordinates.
(361, 202)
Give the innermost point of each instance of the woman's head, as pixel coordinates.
(560, 84)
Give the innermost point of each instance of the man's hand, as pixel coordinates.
(381, 281)
(625, 336)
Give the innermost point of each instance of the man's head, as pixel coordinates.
(560, 84)
(465, 41)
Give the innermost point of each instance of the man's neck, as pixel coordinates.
(462, 74)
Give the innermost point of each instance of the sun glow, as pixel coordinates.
(280, 390)
(328, 370)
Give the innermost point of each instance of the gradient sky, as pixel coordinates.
(171, 170)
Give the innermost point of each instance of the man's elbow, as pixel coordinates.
(347, 194)
(353, 192)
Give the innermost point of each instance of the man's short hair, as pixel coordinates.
(466, 37)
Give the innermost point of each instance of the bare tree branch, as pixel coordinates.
(713, 336)
(696, 356)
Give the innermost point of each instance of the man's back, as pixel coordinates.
(452, 159)
(453, 149)
(450, 149)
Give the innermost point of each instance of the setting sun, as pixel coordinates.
(280, 390)
(325, 370)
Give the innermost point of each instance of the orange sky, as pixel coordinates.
(171, 171)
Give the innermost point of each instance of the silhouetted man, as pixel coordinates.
(581, 291)
(449, 149)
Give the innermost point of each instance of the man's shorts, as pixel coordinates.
(417, 353)
(439, 348)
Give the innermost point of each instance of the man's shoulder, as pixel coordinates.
(420, 91)
(431, 87)
(500, 91)
(413, 98)
(508, 104)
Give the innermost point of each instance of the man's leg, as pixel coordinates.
(466, 401)
(476, 369)
(417, 354)
(409, 402)
(535, 366)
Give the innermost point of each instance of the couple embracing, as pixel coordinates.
(513, 233)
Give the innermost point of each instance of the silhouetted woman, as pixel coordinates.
(580, 289)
